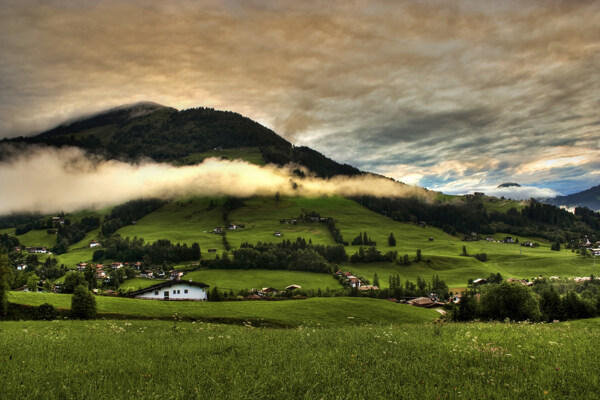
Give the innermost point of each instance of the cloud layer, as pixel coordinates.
(68, 179)
(442, 93)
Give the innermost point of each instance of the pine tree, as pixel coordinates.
(375, 280)
(391, 240)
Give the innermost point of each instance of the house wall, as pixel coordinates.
(194, 293)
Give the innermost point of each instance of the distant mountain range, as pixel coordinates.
(164, 134)
(589, 198)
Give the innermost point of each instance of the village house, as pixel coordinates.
(218, 230)
(26, 289)
(173, 290)
(175, 275)
(147, 274)
(278, 234)
(479, 281)
(81, 266)
(100, 274)
(40, 250)
(354, 281)
(232, 227)
(267, 290)
(368, 287)
(117, 265)
(293, 287)
(508, 239)
(138, 265)
(94, 243)
(595, 252)
(425, 302)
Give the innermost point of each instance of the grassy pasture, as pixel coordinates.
(324, 311)
(157, 359)
(184, 221)
(238, 279)
(250, 154)
(37, 238)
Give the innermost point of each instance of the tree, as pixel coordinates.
(72, 280)
(83, 303)
(419, 256)
(46, 312)
(466, 310)
(464, 252)
(4, 288)
(555, 246)
(90, 277)
(375, 280)
(509, 300)
(32, 283)
(391, 240)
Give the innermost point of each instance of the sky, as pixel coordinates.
(454, 96)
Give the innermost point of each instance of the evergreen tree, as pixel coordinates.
(391, 240)
(375, 280)
(419, 255)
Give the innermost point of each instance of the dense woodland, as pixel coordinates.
(470, 215)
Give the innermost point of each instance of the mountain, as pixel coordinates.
(164, 134)
(589, 198)
(508, 184)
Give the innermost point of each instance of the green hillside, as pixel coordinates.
(193, 220)
(313, 311)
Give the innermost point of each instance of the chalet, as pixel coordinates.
(147, 274)
(212, 250)
(26, 289)
(94, 243)
(508, 239)
(117, 265)
(278, 234)
(81, 266)
(100, 274)
(595, 252)
(479, 281)
(173, 290)
(36, 250)
(138, 265)
(232, 227)
(218, 229)
(354, 281)
(267, 290)
(175, 275)
(293, 287)
(368, 287)
(425, 302)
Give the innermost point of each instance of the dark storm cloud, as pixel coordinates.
(413, 89)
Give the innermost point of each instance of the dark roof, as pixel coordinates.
(167, 284)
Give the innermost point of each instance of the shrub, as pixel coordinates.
(46, 312)
(83, 303)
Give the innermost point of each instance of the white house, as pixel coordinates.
(173, 290)
(94, 243)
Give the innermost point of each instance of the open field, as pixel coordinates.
(157, 359)
(37, 238)
(184, 221)
(238, 279)
(192, 220)
(325, 311)
(250, 154)
(138, 283)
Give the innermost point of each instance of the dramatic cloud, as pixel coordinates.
(397, 87)
(67, 180)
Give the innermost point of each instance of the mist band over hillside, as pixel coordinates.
(68, 179)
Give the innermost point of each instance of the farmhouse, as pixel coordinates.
(94, 243)
(173, 290)
(37, 250)
(176, 275)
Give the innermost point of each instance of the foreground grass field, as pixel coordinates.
(159, 360)
(325, 311)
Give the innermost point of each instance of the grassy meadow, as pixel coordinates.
(346, 311)
(161, 359)
(192, 220)
(238, 279)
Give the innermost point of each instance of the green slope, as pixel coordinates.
(324, 311)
